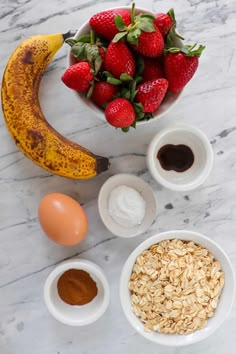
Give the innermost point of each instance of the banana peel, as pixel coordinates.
(25, 121)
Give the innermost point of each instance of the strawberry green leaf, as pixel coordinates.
(85, 38)
(187, 50)
(92, 52)
(125, 77)
(113, 81)
(139, 79)
(98, 64)
(132, 95)
(132, 85)
(71, 41)
(184, 50)
(132, 39)
(119, 22)
(102, 42)
(136, 33)
(172, 50)
(78, 51)
(149, 16)
(178, 35)
(118, 36)
(139, 66)
(147, 116)
(125, 130)
(171, 13)
(146, 26)
(110, 78)
(107, 74)
(123, 91)
(139, 115)
(90, 91)
(138, 107)
(133, 125)
(172, 36)
(104, 105)
(132, 89)
(127, 95)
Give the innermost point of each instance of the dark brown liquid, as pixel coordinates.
(175, 157)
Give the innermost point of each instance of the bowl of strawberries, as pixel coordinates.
(129, 65)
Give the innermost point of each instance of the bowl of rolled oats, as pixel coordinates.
(177, 287)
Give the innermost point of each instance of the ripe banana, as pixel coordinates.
(24, 117)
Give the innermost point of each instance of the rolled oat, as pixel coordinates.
(175, 287)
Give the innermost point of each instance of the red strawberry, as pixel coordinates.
(78, 76)
(119, 59)
(103, 22)
(181, 66)
(179, 70)
(120, 113)
(151, 94)
(164, 23)
(103, 92)
(150, 44)
(152, 69)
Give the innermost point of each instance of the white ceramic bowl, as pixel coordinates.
(143, 188)
(169, 102)
(76, 315)
(224, 306)
(203, 157)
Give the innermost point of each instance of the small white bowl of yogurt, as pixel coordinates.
(127, 205)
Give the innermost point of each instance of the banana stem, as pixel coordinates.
(69, 34)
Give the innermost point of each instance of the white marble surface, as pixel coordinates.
(27, 256)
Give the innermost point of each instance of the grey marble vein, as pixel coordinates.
(56, 263)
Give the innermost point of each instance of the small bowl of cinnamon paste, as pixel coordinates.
(76, 292)
(180, 157)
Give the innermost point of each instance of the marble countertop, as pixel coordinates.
(27, 256)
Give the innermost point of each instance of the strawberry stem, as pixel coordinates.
(132, 13)
(92, 37)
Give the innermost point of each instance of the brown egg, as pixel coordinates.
(62, 219)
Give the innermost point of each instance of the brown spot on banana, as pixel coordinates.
(27, 58)
(25, 120)
(36, 138)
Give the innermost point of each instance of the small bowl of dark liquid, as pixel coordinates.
(180, 157)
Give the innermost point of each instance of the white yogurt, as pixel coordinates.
(126, 206)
